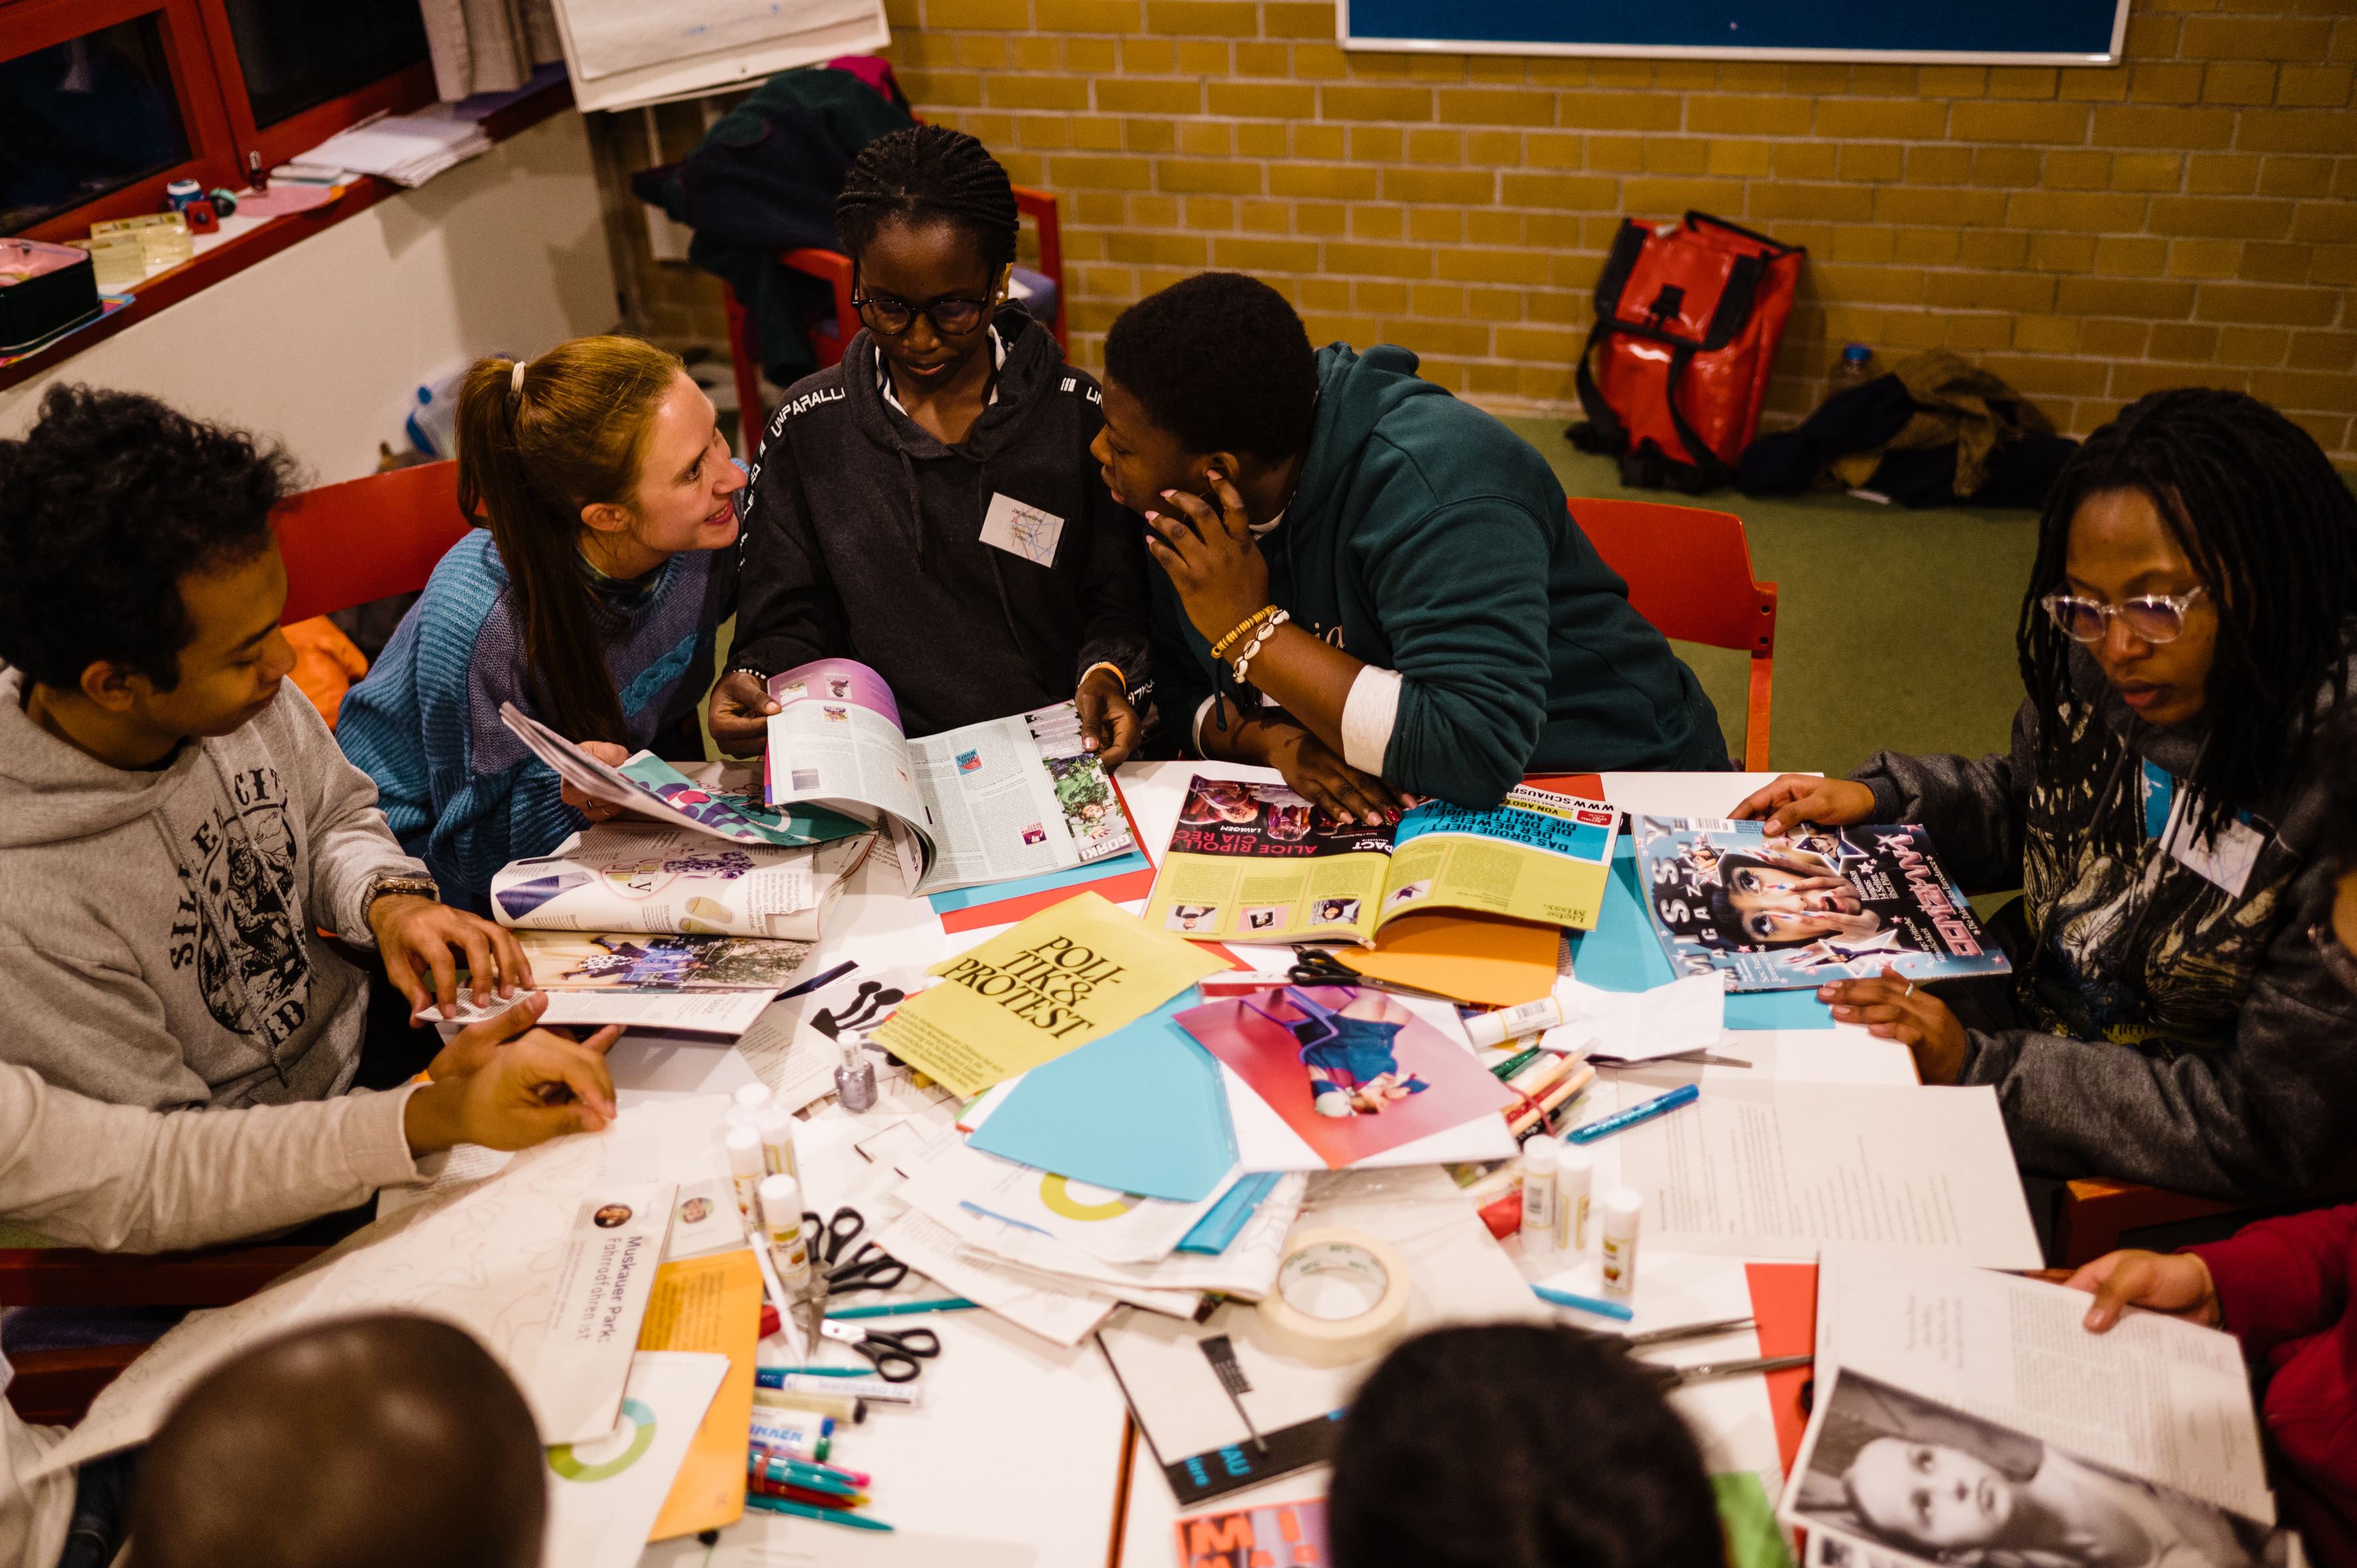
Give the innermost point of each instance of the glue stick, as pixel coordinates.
(1575, 1177)
(781, 1223)
(1623, 1207)
(1539, 1157)
(1487, 1029)
(754, 1097)
(746, 1170)
(776, 1127)
(740, 1116)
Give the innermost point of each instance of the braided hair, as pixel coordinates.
(925, 175)
(2272, 530)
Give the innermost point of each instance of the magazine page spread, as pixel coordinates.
(709, 984)
(1254, 862)
(1011, 797)
(646, 784)
(637, 876)
(1797, 910)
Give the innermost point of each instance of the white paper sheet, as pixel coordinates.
(1686, 1014)
(1045, 1305)
(2156, 1397)
(1115, 1226)
(603, 1495)
(776, 1540)
(650, 1064)
(1771, 1170)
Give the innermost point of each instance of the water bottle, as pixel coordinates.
(1857, 367)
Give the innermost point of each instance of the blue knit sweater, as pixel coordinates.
(457, 787)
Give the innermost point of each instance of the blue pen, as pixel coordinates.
(903, 1308)
(807, 986)
(809, 1480)
(1585, 1302)
(812, 1511)
(1621, 1122)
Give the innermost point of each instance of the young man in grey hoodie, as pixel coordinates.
(176, 821)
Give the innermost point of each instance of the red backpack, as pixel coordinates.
(1687, 319)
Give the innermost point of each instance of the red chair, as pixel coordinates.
(1689, 572)
(366, 539)
(833, 268)
(2095, 1211)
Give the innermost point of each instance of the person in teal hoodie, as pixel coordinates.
(1366, 584)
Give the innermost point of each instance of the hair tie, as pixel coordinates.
(515, 377)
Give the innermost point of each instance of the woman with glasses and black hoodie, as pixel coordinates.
(928, 506)
(2186, 640)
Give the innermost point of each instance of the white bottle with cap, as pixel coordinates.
(740, 1116)
(776, 1127)
(1539, 1160)
(1575, 1181)
(1623, 1207)
(754, 1097)
(1488, 1029)
(746, 1170)
(782, 1224)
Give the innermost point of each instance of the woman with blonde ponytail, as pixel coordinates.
(591, 603)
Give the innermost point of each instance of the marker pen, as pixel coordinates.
(1621, 1122)
(798, 1435)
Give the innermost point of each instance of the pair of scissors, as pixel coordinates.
(1315, 966)
(897, 1358)
(1671, 1376)
(869, 1268)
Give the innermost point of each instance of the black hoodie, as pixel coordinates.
(863, 540)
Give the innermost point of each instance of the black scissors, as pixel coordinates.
(897, 1358)
(870, 1268)
(1315, 966)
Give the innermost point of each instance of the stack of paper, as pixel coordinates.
(406, 149)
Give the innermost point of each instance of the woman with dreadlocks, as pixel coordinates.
(928, 506)
(2186, 640)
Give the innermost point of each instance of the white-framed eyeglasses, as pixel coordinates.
(2151, 617)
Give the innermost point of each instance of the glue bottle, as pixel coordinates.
(1539, 1159)
(1575, 1179)
(746, 1170)
(854, 1081)
(754, 1097)
(776, 1127)
(1487, 1029)
(781, 1223)
(1623, 1207)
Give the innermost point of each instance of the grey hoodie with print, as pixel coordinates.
(157, 942)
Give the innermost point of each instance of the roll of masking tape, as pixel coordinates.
(1341, 1297)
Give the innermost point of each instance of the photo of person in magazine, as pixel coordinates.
(1223, 816)
(1351, 1052)
(1937, 1486)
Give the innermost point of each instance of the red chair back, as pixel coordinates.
(366, 539)
(1689, 573)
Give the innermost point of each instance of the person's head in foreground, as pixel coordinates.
(378, 1441)
(1518, 1446)
(143, 586)
(1214, 374)
(602, 451)
(2202, 549)
(928, 220)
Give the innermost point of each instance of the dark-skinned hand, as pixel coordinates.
(1893, 1008)
(1798, 798)
(1313, 772)
(1212, 556)
(1109, 725)
(739, 715)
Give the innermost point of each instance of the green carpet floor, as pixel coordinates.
(1894, 628)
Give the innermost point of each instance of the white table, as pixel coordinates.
(1018, 1440)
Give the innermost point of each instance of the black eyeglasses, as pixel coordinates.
(2151, 617)
(890, 317)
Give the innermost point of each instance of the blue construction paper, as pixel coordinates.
(1076, 877)
(1141, 1111)
(1624, 953)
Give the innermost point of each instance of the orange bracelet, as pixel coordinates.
(1220, 649)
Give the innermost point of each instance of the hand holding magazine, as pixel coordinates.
(1014, 797)
(1256, 862)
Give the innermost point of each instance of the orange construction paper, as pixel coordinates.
(1474, 958)
(711, 1304)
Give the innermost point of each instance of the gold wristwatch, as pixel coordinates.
(422, 887)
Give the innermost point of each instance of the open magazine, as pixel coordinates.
(637, 876)
(648, 784)
(1798, 910)
(1256, 863)
(1013, 797)
(699, 983)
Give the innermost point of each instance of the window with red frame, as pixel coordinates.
(103, 103)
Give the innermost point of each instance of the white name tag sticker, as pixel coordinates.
(1021, 530)
(2225, 861)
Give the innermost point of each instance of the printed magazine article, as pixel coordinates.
(1800, 908)
(1014, 797)
(637, 876)
(648, 784)
(1256, 862)
(706, 984)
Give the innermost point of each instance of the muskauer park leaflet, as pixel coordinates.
(1793, 910)
(1256, 863)
(1019, 795)
(1049, 984)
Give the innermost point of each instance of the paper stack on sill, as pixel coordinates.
(404, 148)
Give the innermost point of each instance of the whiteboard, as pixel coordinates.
(624, 53)
(2002, 32)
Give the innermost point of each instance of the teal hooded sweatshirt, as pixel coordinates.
(1427, 537)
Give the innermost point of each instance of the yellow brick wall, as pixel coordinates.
(2090, 234)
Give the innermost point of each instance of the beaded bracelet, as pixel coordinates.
(1244, 660)
(1220, 649)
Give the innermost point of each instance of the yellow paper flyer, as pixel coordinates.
(1062, 977)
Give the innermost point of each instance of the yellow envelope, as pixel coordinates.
(711, 1304)
(1066, 976)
